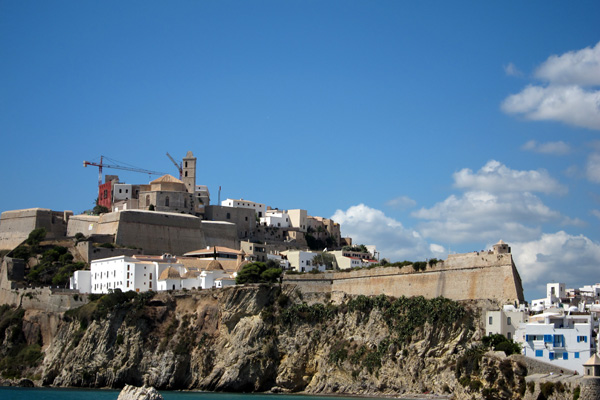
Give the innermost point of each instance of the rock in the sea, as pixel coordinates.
(130, 392)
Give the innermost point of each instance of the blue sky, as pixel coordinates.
(423, 127)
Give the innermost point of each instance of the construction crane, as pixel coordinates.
(178, 166)
(114, 166)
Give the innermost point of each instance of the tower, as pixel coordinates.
(189, 172)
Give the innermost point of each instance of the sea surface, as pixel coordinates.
(16, 393)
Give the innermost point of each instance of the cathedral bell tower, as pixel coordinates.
(189, 172)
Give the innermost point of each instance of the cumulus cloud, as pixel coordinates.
(570, 104)
(553, 148)
(596, 213)
(580, 67)
(569, 94)
(498, 202)
(556, 257)
(482, 216)
(512, 70)
(368, 225)
(495, 177)
(401, 202)
(592, 168)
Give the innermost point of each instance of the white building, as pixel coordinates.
(143, 274)
(505, 322)
(302, 261)
(555, 293)
(346, 259)
(258, 208)
(562, 339)
(81, 280)
(276, 218)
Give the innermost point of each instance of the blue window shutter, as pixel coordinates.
(539, 353)
(565, 356)
(576, 355)
(578, 337)
(551, 355)
(527, 338)
(585, 339)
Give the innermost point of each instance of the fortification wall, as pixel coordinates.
(85, 224)
(461, 279)
(220, 234)
(16, 225)
(43, 299)
(155, 232)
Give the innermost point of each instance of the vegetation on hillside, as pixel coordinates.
(259, 272)
(17, 358)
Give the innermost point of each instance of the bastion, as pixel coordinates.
(16, 225)
(472, 276)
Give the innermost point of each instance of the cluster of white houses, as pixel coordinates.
(202, 269)
(561, 329)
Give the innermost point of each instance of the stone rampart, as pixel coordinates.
(16, 225)
(218, 233)
(590, 388)
(43, 299)
(85, 224)
(460, 279)
(154, 232)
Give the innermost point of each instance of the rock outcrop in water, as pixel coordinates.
(266, 338)
(130, 392)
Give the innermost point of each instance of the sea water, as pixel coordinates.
(14, 393)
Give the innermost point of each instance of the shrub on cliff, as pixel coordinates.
(501, 343)
(258, 272)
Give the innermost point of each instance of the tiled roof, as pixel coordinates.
(166, 179)
(169, 273)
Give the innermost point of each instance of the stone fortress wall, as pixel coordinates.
(16, 225)
(470, 276)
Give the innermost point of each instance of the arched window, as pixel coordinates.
(186, 164)
(147, 200)
(167, 201)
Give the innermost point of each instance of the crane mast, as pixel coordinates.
(178, 166)
(116, 166)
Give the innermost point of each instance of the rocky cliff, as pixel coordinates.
(264, 338)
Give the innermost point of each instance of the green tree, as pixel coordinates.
(257, 272)
(36, 236)
(326, 259)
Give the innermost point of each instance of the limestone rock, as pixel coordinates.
(130, 392)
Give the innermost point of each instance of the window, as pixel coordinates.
(120, 191)
(565, 356)
(539, 353)
(508, 321)
(228, 216)
(490, 321)
(150, 275)
(576, 354)
(147, 200)
(167, 201)
(186, 174)
(551, 355)
(581, 339)
(186, 164)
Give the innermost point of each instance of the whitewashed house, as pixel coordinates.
(169, 279)
(506, 321)
(258, 208)
(562, 339)
(276, 218)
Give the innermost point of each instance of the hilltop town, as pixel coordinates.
(166, 237)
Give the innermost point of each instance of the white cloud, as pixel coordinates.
(554, 148)
(592, 168)
(596, 213)
(580, 67)
(557, 257)
(367, 225)
(512, 70)
(569, 95)
(496, 177)
(570, 104)
(401, 202)
(482, 216)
